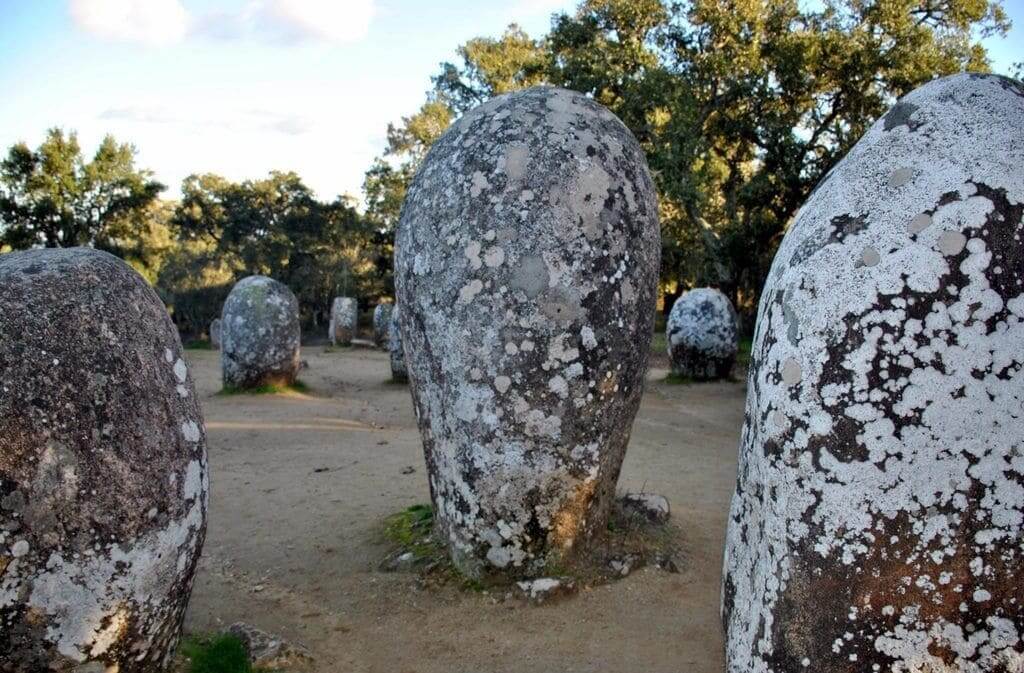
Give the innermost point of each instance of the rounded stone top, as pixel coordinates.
(704, 320)
(93, 381)
(260, 333)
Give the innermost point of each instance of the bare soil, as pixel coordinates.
(300, 485)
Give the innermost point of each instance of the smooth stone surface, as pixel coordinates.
(526, 266)
(103, 471)
(260, 334)
(382, 324)
(399, 372)
(702, 334)
(877, 522)
(215, 334)
(344, 321)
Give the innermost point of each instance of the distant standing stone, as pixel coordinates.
(702, 334)
(260, 334)
(344, 321)
(215, 333)
(103, 472)
(397, 355)
(381, 324)
(526, 267)
(878, 520)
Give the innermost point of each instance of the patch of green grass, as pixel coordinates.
(412, 530)
(678, 379)
(269, 389)
(743, 357)
(199, 345)
(659, 342)
(221, 653)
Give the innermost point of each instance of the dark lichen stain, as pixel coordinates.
(900, 115)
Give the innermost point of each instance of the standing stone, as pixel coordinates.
(215, 334)
(344, 320)
(103, 472)
(702, 334)
(381, 324)
(878, 521)
(398, 370)
(526, 264)
(259, 334)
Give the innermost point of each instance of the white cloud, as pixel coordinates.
(315, 20)
(163, 22)
(154, 22)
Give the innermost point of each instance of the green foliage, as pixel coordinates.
(52, 196)
(741, 107)
(216, 654)
(274, 227)
(409, 528)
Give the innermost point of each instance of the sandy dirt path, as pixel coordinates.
(301, 483)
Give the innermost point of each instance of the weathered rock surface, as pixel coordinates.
(215, 333)
(544, 589)
(103, 472)
(381, 324)
(344, 321)
(269, 651)
(650, 506)
(526, 262)
(395, 352)
(702, 334)
(259, 334)
(878, 517)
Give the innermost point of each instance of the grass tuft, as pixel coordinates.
(222, 653)
(269, 389)
(678, 379)
(199, 345)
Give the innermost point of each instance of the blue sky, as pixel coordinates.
(241, 87)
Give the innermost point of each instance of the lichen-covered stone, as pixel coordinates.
(878, 516)
(344, 321)
(702, 335)
(215, 333)
(396, 354)
(381, 324)
(526, 263)
(259, 334)
(103, 472)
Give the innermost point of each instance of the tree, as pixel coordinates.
(276, 227)
(742, 106)
(54, 197)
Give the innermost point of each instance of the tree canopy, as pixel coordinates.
(741, 106)
(53, 196)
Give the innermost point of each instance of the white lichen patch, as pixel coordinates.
(879, 505)
(526, 207)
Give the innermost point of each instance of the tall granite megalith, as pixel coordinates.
(103, 472)
(526, 267)
(396, 354)
(702, 334)
(878, 520)
(382, 324)
(344, 321)
(259, 334)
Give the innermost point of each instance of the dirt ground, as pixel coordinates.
(301, 482)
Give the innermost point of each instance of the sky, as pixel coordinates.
(243, 87)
